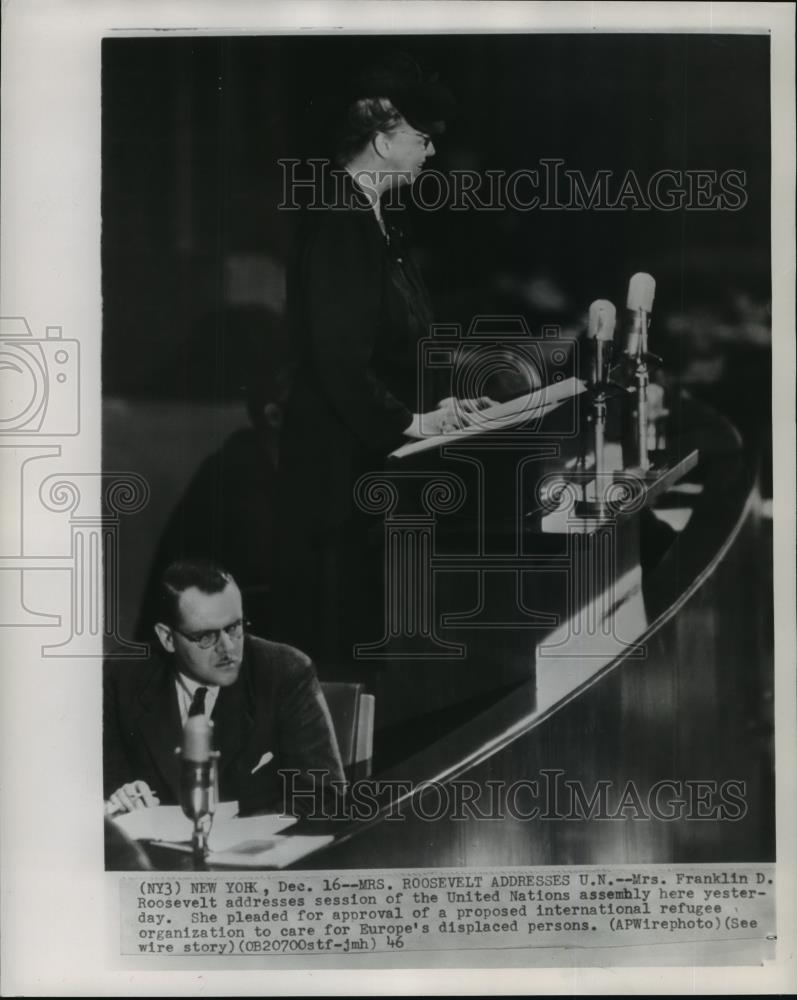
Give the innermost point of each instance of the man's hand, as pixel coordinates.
(133, 795)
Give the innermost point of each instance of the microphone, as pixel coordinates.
(197, 739)
(641, 290)
(600, 329)
(198, 777)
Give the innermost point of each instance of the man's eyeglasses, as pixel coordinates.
(211, 637)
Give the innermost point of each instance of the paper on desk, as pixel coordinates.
(160, 822)
(277, 853)
(501, 416)
(231, 834)
(228, 830)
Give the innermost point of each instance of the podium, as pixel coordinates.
(661, 679)
(489, 570)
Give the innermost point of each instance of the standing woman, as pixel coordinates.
(358, 307)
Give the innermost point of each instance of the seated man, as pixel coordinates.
(268, 712)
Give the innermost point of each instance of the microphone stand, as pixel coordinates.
(642, 377)
(199, 794)
(644, 467)
(600, 393)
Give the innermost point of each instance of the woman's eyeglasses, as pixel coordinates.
(425, 139)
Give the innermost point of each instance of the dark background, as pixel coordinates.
(194, 247)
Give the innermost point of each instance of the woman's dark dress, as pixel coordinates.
(358, 309)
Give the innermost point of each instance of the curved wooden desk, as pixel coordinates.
(673, 713)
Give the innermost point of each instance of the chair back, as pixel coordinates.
(352, 712)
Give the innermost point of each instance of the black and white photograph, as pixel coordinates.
(414, 510)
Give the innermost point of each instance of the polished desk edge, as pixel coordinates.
(511, 717)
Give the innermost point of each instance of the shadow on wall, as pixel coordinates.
(226, 514)
(207, 448)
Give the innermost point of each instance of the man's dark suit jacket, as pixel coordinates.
(276, 706)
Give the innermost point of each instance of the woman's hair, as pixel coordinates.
(378, 99)
(362, 121)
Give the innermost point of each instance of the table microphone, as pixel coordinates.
(600, 330)
(198, 778)
(641, 290)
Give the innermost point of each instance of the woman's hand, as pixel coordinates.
(465, 405)
(451, 415)
(435, 422)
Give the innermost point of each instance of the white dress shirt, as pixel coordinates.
(186, 689)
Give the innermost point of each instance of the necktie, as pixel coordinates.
(198, 702)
